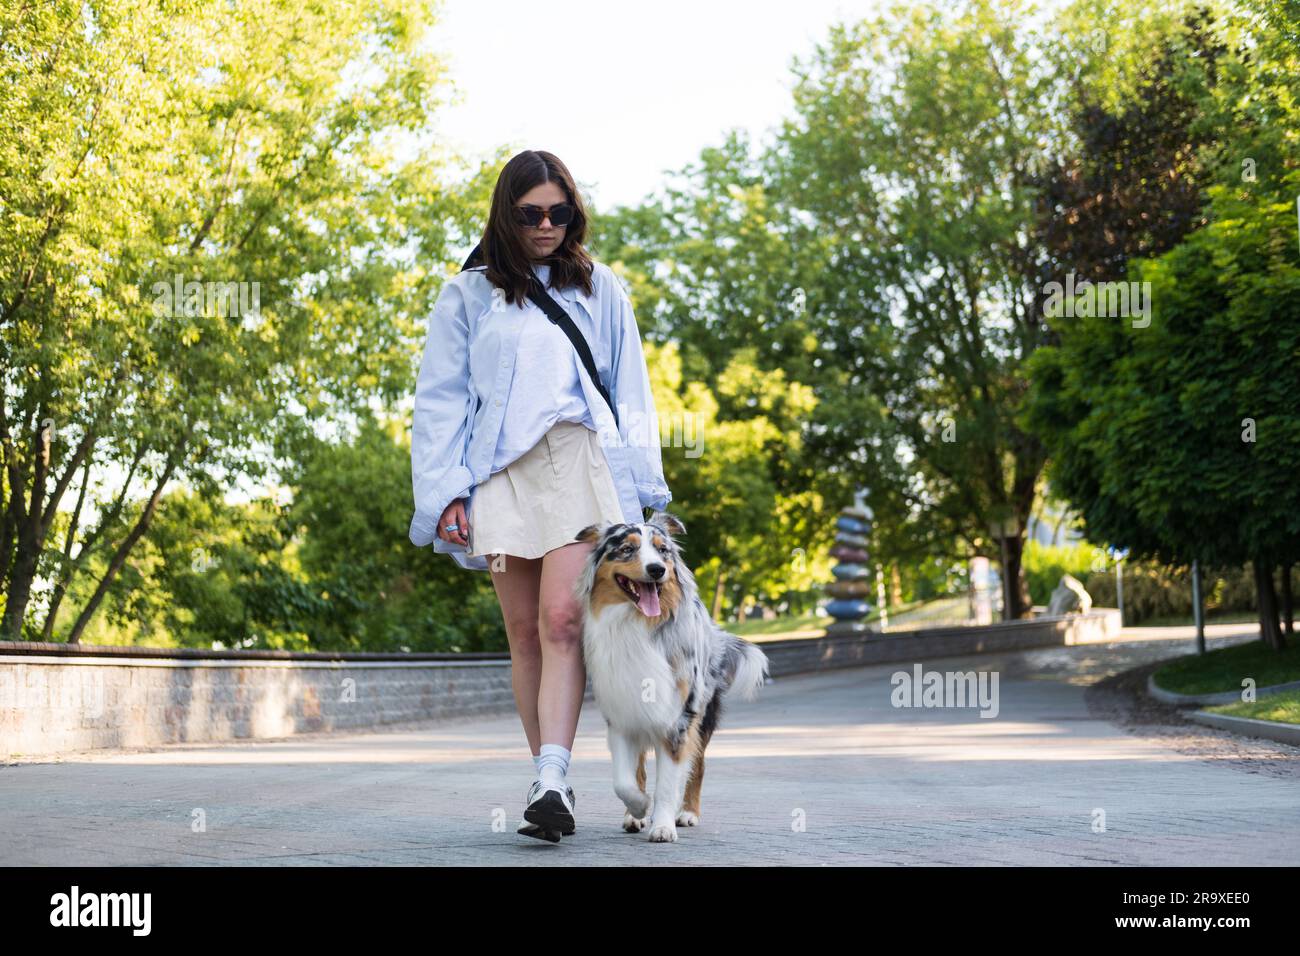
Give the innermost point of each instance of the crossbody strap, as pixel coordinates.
(561, 318)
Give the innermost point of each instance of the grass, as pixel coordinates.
(778, 625)
(1224, 669)
(1186, 620)
(811, 622)
(1284, 707)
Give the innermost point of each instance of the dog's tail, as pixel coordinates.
(747, 666)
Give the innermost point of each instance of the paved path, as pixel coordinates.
(870, 784)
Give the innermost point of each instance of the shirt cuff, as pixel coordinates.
(424, 524)
(654, 496)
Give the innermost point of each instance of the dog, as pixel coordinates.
(659, 667)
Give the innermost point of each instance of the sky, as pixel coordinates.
(652, 85)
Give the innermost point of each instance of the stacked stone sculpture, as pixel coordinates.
(853, 575)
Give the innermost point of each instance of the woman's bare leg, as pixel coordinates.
(518, 591)
(559, 624)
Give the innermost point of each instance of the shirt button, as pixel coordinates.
(498, 403)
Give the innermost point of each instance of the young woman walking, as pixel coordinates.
(515, 448)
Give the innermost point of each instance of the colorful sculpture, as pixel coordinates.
(853, 575)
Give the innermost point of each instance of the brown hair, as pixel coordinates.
(504, 249)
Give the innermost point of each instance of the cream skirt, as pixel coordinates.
(542, 499)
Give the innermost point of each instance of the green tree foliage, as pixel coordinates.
(348, 520)
(1180, 440)
(708, 265)
(154, 148)
(880, 253)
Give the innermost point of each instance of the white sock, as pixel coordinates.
(537, 763)
(553, 765)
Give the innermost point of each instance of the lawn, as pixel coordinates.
(1284, 707)
(936, 612)
(1224, 669)
(779, 625)
(1186, 620)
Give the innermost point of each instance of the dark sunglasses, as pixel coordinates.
(561, 214)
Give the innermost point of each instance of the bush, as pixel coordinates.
(1156, 591)
(1150, 590)
(1044, 566)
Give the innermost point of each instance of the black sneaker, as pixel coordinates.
(550, 812)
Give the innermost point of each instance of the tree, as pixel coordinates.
(917, 141)
(1179, 439)
(204, 237)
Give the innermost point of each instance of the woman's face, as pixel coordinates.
(544, 239)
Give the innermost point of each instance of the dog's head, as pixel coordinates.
(634, 565)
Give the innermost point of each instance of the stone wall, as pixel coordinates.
(64, 703)
(56, 699)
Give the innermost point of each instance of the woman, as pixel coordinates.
(514, 449)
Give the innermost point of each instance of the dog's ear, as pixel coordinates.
(589, 534)
(668, 522)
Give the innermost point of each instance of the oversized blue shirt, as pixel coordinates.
(464, 382)
(546, 388)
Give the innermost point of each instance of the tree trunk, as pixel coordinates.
(129, 542)
(717, 595)
(1268, 623)
(1287, 606)
(13, 515)
(1014, 573)
(20, 582)
(65, 573)
(31, 535)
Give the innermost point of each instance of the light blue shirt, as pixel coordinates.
(546, 387)
(465, 380)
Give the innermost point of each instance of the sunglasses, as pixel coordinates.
(561, 214)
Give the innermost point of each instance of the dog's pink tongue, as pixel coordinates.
(649, 600)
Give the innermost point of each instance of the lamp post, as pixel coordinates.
(1198, 612)
(1118, 555)
(1003, 528)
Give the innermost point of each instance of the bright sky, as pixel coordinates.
(651, 85)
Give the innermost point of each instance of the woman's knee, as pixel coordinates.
(524, 638)
(560, 624)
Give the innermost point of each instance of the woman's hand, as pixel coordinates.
(455, 514)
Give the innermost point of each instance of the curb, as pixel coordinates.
(1202, 700)
(1251, 727)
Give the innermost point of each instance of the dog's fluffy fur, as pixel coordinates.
(659, 667)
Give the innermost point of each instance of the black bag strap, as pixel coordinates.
(561, 318)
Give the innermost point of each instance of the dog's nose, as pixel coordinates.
(655, 571)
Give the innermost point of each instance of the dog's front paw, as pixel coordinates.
(637, 801)
(633, 824)
(663, 833)
(687, 819)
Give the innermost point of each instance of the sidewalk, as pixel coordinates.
(873, 783)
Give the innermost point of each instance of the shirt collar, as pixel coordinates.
(568, 293)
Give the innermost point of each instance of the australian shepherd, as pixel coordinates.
(659, 668)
